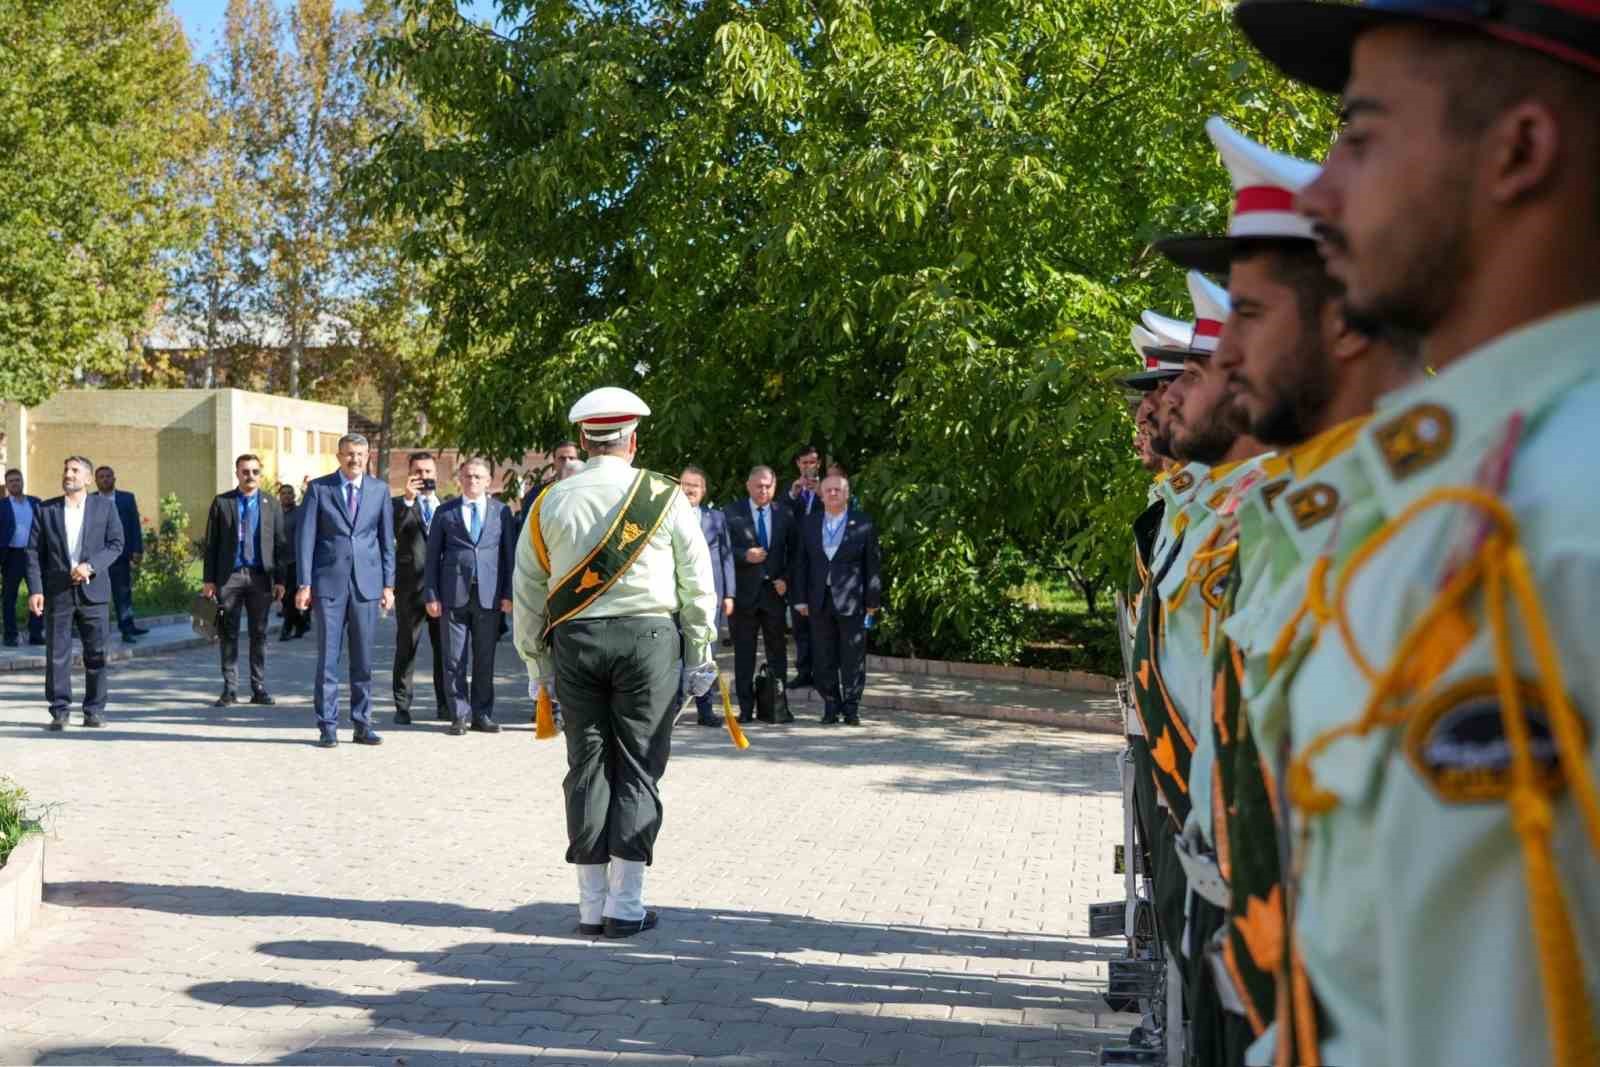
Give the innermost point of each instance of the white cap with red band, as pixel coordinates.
(608, 413)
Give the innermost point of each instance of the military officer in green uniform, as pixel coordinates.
(1442, 723)
(608, 557)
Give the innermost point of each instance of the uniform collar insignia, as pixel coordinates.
(1415, 439)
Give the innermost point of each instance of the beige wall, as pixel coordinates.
(179, 441)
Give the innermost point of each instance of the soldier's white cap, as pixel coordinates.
(1211, 309)
(1162, 361)
(608, 413)
(1266, 190)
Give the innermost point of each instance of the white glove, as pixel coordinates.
(700, 679)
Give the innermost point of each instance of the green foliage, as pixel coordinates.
(96, 113)
(166, 580)
(15, 823)
(916, 232)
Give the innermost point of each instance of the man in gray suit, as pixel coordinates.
(467, 581)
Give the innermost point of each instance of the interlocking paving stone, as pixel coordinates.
(219, 890)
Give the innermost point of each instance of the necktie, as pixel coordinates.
(350, 501)
(761, 526)
(472, 521)
(427, 513)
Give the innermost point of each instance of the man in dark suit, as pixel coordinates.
(74, 540)
(295, 622)
(759, 532)
(414, 513)
(715, 528)
(18, 512)
(346, 554)
(242, 570)
(838, 586)
(105, 479)
(561, 455)
(802, 500)
(471, 555)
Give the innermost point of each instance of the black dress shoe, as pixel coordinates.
(830, 717)
(591, 929)
(129, 639)
(93, 721)
(619, 928)
(35, 640)
(747, 716)
(285, 635)
(228, 697)
(457, 729)
(12, 642)
(328, 741)
(262, 697)
(139, 630)
(708, 722)
(402, 717)
(802, 681)
(367, 737)
(485, 725)
(56, 725)
(852, 720)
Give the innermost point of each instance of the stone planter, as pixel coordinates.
(21, 890)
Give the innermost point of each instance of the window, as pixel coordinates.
(311, 442)
(329, 443)
(264, 443)
(288, 439)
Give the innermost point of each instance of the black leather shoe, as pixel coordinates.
(747, 716)
(802, 681)
(367, 737)
(402, 717)
(139, 630)
(328, 741)
(852, 720)
(56, 725)
(36, 641)
(457, 729)
(591, 929)
(708, 722)
(618, 928)
(93, 721)
(129, 639)
(263, 698)
(228, 698)
(829, 718)
(484, 724)
(12, 642)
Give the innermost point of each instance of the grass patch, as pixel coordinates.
(152, 595)
(1063, 634)
(14, 821)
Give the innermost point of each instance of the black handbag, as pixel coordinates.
(204, 616)
(772, 700)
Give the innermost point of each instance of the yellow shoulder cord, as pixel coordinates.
(1315, 604)
(1501, 564)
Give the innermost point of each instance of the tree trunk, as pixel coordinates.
(211, 337)
(386, 422)
(294, 368)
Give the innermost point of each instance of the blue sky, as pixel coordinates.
(202, 19)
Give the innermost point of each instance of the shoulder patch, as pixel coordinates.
(1457, 742)
(1218, 498)
(1415, 439)
(1312, 504)
(1182, 482)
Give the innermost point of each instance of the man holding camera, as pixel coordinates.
(804, 497)
(413, 518)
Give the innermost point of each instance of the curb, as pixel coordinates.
(1079, 681)
(21, 890)
(120, 653)
(1079, 721)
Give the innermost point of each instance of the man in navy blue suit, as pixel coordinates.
(105, 479)
(838, 586)
(467, 581)
(715, 528)
(760, 531)
(74, 540)
(803, 498)
(346, 554)
(18, 510)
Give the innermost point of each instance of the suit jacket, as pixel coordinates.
(852, 575)
(455, 561)
(715, 526)
(222, 538)
(749, 577)
(410, 541)
(8, 521)
(334, 552)
(132, 535)
(797, 505)
(100, 544)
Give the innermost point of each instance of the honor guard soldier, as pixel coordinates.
(1446, 905)
(608, 558)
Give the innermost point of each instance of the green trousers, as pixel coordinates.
(617, 680)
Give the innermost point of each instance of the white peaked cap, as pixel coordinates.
(1266, 185)
(608, 413)
(1162, 362)
(1169, 332)
(1211, 309)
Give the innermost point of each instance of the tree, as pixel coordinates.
(98, 112)
(916, 231)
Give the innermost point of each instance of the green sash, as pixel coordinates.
(642, 512)
(1171, 744)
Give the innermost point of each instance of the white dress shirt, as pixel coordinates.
(74, 519)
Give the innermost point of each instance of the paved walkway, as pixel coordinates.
(911, 892)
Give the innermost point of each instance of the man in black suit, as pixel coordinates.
(74, 540)
(414, 513)
(242, 568)
(295, 621)
(803, 499)
(759, 531)
(471, 554)
(105, 479)
(838, 586)
(564, 453)
(18, 512)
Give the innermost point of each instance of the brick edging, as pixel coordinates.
(1086, 722)
(1079, 681)
(21, 890)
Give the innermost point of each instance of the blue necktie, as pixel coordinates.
(427, 513)
(761, 526)
(472, 522)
